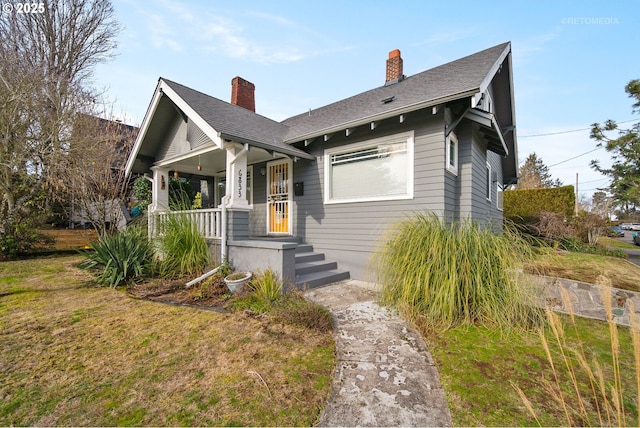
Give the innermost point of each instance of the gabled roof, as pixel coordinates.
(455, 80)
(463, 78)
(236, 123)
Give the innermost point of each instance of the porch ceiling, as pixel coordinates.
(214, 162)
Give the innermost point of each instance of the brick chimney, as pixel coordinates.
(394, 67)
(242, 93)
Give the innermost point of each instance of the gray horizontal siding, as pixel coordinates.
(350, 232)
(175, 141)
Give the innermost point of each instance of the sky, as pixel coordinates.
(571, 59)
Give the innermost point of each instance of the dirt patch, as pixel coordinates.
(212, 293)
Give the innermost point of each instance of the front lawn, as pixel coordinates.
(73, 354)
(591, 268)
(479, 368)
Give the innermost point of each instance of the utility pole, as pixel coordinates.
(576, 204)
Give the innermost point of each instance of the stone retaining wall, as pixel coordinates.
(587, 300)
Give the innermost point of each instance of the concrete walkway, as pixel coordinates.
(385, 375)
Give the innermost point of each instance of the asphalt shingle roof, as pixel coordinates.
(234, 121)
(460, 77)
(457, 77)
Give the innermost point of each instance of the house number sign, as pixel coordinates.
(240, 183)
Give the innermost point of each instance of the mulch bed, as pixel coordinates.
(211, 294)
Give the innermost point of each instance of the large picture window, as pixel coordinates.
(375, 170)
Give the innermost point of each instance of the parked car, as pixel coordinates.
(635, 226)
(625, 226)
(616, 232)
(636, 239)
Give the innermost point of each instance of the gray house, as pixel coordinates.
(324, 185)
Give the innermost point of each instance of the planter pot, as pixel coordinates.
(235, 281)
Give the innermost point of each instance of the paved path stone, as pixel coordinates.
(385, 375)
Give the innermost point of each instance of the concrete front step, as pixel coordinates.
(317, 279)
(304, 248)
(310, 267)
(312, 270)
(309, 256)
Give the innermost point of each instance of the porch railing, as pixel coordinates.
(209, 221)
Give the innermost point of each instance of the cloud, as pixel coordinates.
(162, 36)
(447, 37)
(530, 47)
(267, 39)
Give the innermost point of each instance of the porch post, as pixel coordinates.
(236, 193)
(159, 190)
(236, 177)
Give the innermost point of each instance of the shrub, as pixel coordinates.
(264, 291)
(454, 273)
(295, 310)
(142, 192)
(182, 250)
(266, 286)
(524, 206)
(120, 258)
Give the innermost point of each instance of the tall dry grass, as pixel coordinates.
(590, 389)
(453, 273)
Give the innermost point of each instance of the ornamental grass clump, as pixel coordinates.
(182, 249)
(120, 258)
(453, 273)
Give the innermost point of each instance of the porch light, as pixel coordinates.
(199, 166)
(176, 175)
(263, 171)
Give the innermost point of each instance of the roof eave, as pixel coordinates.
(143, 129)
(385, 115)
(289, 151)
(490, 125)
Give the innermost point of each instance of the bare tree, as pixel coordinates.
(46, 64)
(96, 191)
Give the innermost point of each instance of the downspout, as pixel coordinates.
(223, 230)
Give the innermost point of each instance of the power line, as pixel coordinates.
(565, 132)
(575, 157)
(593, 181)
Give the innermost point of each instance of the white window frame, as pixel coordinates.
(452, 167)
(405, 136)
(489, 182)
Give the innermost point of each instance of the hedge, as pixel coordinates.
(524, 206)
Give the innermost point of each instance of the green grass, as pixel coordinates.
(606, 241)
(78, 355)
(479, 367)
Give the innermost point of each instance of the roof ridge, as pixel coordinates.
(480, 53)
(173, 82)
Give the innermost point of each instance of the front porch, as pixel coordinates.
(295, 262)
(241, 166)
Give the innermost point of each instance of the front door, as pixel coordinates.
(279, 197)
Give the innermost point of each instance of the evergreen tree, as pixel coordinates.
(534, 174)
(625, 153)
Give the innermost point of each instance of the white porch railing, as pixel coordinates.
(209, 221)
